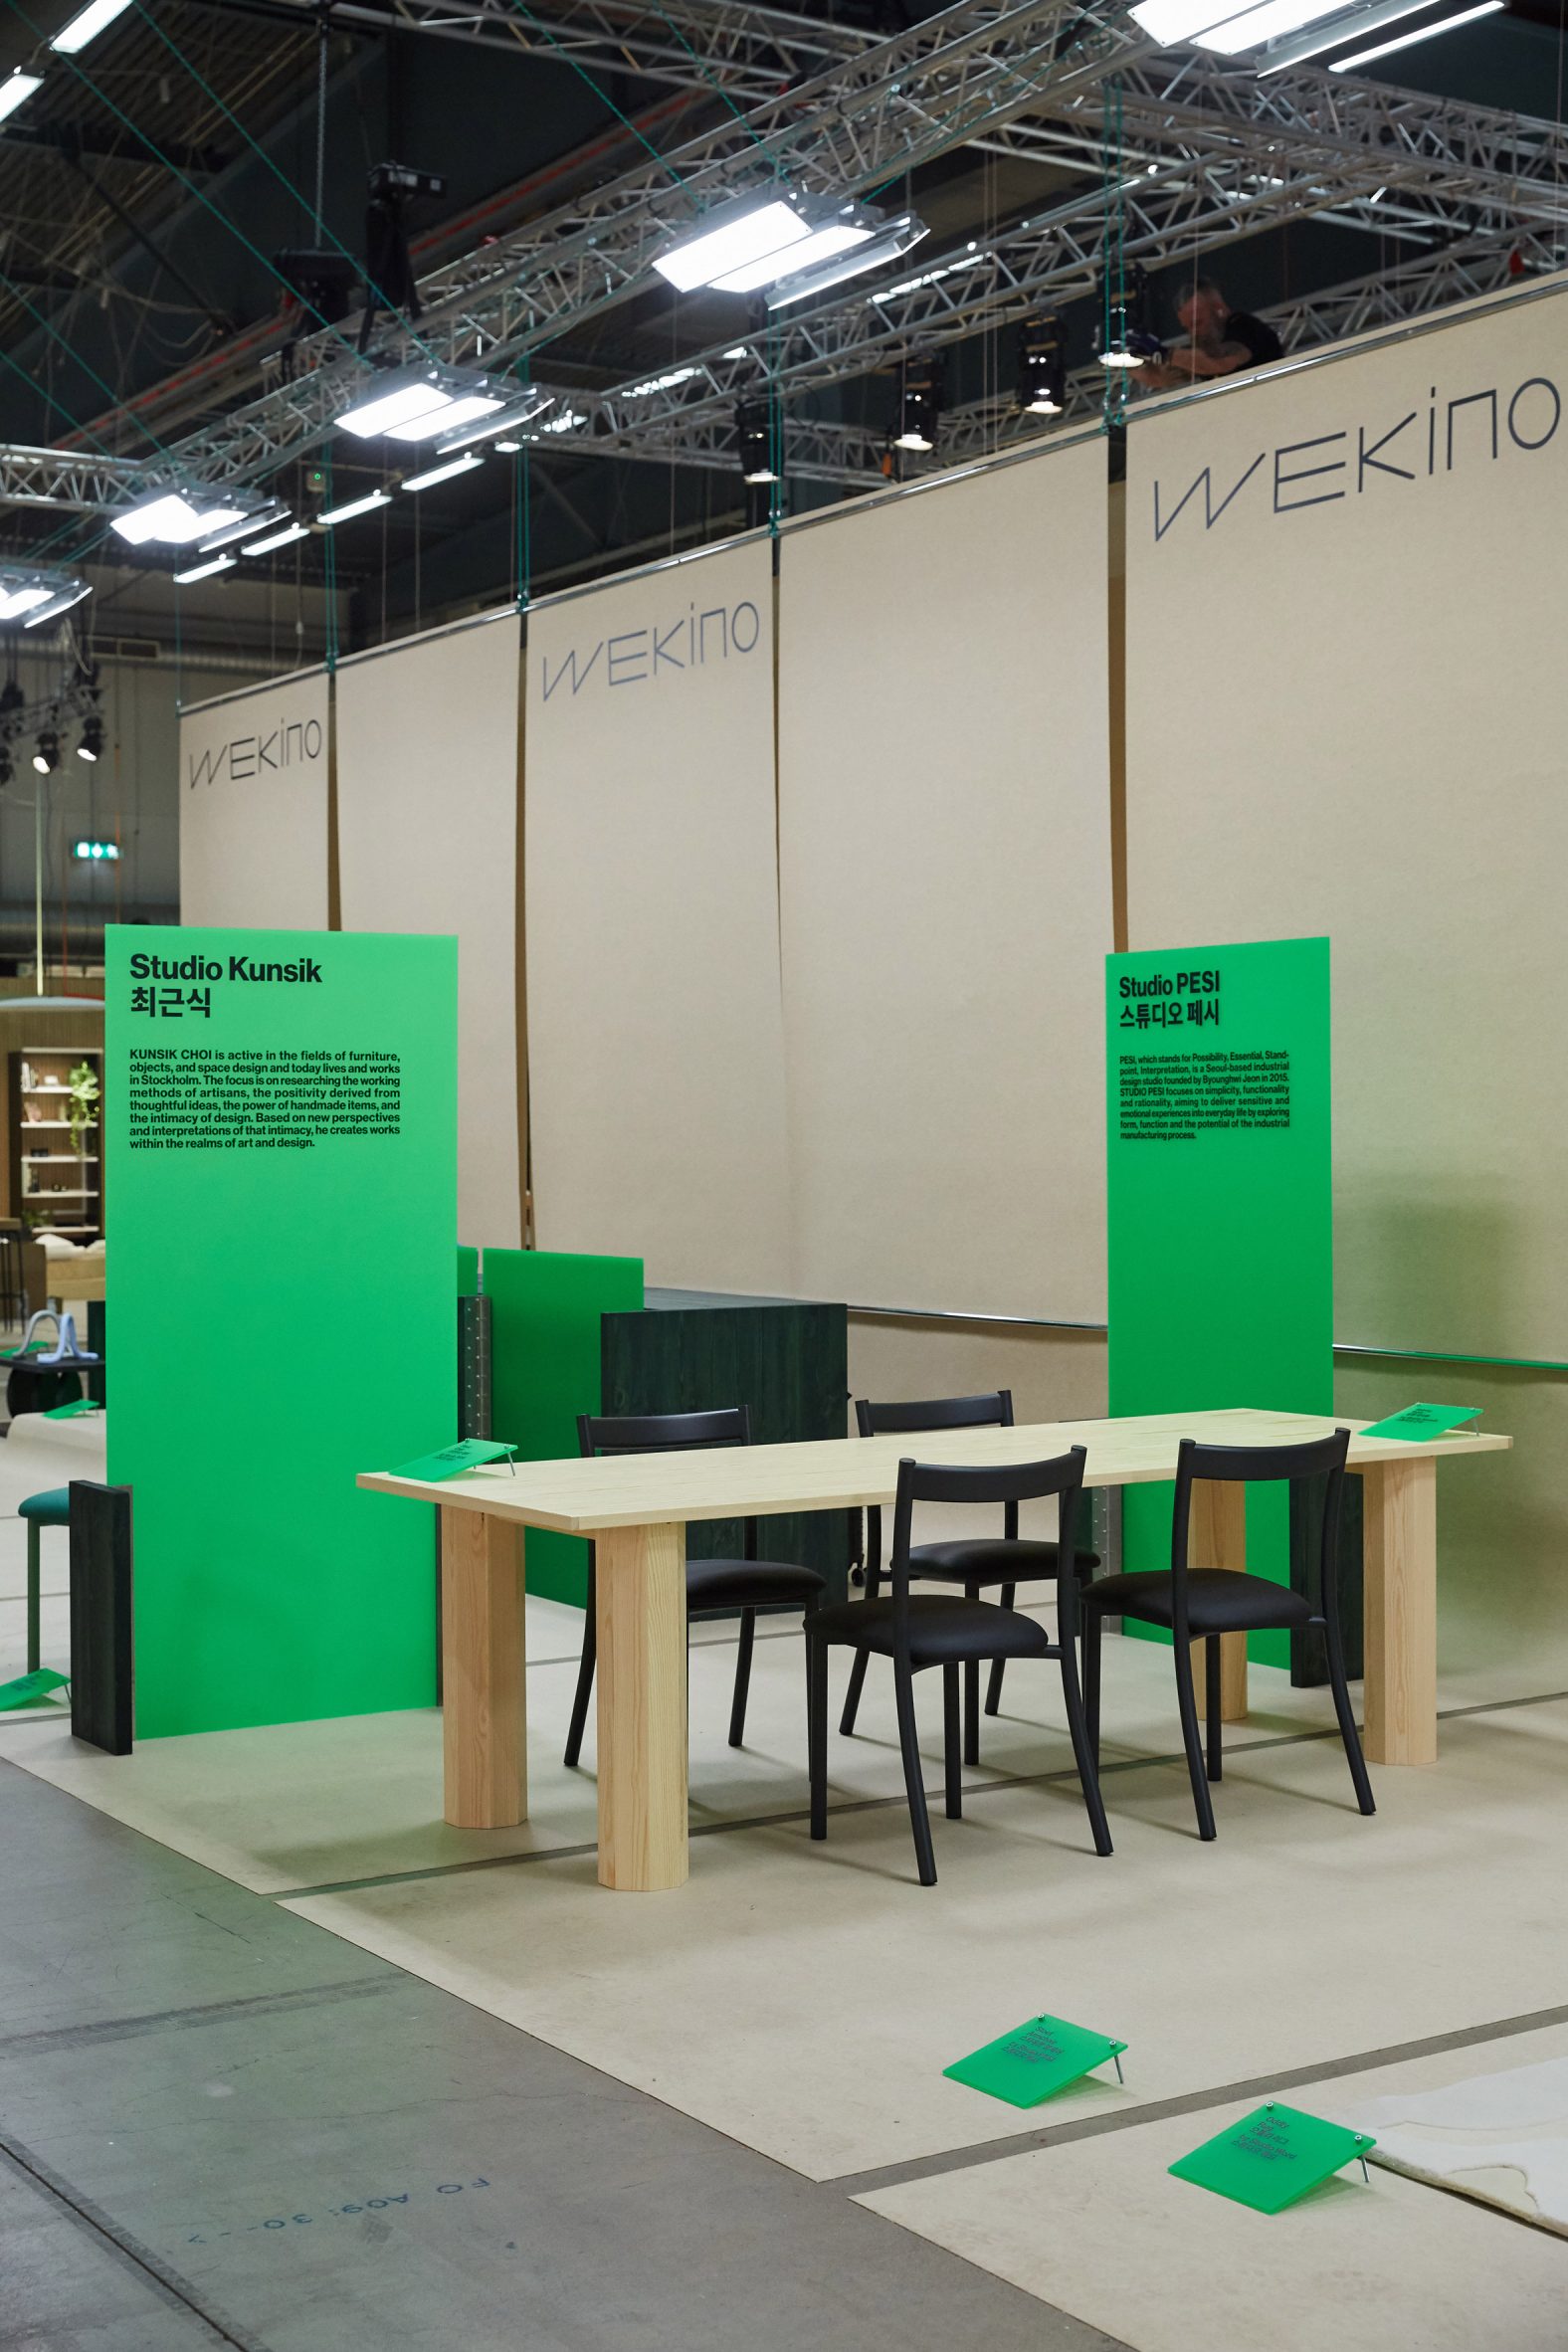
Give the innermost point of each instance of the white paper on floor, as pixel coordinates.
(1501, 2138)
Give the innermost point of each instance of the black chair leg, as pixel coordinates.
(993, 1689)
(951, 1756)
(1092, 1630)
(1192, 1739)
(1347, 1722)
(817, 1731)
(971, 1695)
(1089, 1778)
(1211, 1665)
(737, 1707)
(584, 1690)
(914, 1786)
(851, 1698)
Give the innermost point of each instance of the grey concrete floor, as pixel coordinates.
(220, 2125)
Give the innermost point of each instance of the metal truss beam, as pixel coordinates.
(65, 479)
(1220, 155)
(853, 455)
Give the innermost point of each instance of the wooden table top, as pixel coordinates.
(577, 1497)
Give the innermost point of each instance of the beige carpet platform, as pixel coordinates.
(303, 1804)
(1100, 2229)
(804, 1998)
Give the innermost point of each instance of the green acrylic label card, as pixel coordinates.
(452, 1461)
(74, 1412)
(1038, 2058)
(1272, 2157)
(1422, 1421)
(29, 1690)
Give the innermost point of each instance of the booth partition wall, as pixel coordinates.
(784, 882)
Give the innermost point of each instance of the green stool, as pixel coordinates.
(52, 1508)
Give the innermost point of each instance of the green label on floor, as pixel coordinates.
(1422, 1421)
(1038, 2057)
(1272, 2157)
(28, 1690)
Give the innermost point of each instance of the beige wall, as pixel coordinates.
(655, 1043)
(1347, 712)
(944, 874)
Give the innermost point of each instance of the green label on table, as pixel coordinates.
(1272, 2157)
(1422, 1421)
(1038, 2057)
(468, 1453)
(72, 1411)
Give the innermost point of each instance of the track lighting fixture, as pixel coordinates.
(46, 758)
(754, 442)
(920, 404)
(1042, 368)
(90, 747)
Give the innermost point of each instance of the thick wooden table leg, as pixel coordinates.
(640, 1578)
(1217, 1539)
(481, 1672)
(1401, 1577)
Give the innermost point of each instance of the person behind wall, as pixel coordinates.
(1217, 341)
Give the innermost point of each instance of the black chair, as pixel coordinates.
(972, 1561)
(1202, 1604)
(930, 1629)
(715, 1588)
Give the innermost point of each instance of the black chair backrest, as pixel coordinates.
(662, 1433)
(1317, 1458)
(1011, 1482)
(669, 1433)
(992, 1411)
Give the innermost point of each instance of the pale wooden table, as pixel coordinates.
(636, 1506)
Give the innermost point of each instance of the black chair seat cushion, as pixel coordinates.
(942, 1632)
(1219, 1601)
(991, 1560)
(750, 1584)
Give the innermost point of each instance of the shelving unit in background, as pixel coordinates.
(54, 1185)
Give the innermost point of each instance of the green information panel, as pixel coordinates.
(547, 1367)
(1422, 1421)
(1038, 2057)
(281, 1194)
(1272, 2157)
(1220, 1207)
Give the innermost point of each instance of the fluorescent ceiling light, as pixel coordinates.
(1364, 57)
(260, 521)
(451, 413)
(1170, 21)
(17, 89)
(664, 383)
(1267, 22)
(70, 594)
(884, 246)
(87, 25)
(509, 449)
(204, 571)
(447, 472)
(296, 531)
(173, 521)
(734, 234)
(346, 513)
(517, 412)
(1337, 29)
(14, 602)
(831, 238)
(416, 406)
